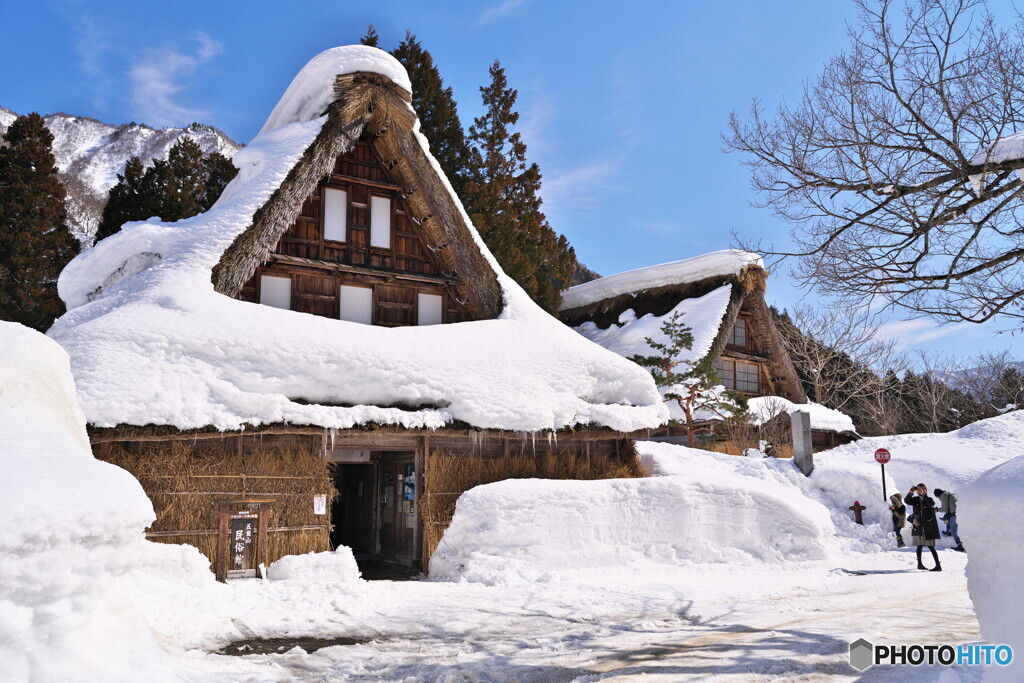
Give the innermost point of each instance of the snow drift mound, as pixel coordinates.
(70, 526)
(950, 461)
(834, 485)
(990, 513)
(526, 530)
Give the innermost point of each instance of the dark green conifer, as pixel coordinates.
(127, 200)
(219, 172)
(35, 243)
(503, 196)
(371, 37)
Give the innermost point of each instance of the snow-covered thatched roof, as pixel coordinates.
(155, 337)
(726, 263)
(621, 311)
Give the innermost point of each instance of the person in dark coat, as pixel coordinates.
(899, 517)
(925, 525)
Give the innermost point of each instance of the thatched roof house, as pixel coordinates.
(720, 296)
(338, 303)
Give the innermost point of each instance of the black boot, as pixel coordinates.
(920, 564)
(937, 567)
(935, 556)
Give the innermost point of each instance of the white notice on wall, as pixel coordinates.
(319, 505)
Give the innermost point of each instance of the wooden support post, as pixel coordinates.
(223, 532)
(262, 524)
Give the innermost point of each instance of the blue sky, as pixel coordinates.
(622, 104)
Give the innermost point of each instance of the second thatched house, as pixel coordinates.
(720, 296)
(333, 329)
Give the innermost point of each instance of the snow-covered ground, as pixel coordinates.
(714, 567)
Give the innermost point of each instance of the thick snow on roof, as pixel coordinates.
(152, 343)
(764, 408)
(312, 91)
(703, 315)
(725, 263)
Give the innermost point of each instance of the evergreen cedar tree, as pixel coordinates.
(184, 185)
(690, 385)
(489, 173)
(35, 242)
(503, 200)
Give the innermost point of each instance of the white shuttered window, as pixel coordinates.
(430, 309)
(335, 214)
(380, 222)
(356, 304)
(276, 291)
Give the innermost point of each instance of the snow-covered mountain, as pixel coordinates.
(90, 154)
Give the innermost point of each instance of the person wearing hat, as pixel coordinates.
(925, 525)
(899, 517)
(947, 504)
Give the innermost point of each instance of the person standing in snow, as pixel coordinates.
(947, 504)
(899, 517)
(925, 525)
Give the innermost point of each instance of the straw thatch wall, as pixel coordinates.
(448, 475)
(184, 478)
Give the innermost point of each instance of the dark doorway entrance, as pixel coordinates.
(352, 510)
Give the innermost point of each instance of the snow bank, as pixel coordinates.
(71, 525)
(539, 530)
(764, 408)
(338, 567)
(949, 461)
(990, 513)
(836, 485)
(725, 263)
(152, 343)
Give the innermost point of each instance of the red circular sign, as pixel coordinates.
(882, 455)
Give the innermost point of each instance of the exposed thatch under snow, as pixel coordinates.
(729, 262)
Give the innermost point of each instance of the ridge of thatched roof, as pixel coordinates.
(371, 105)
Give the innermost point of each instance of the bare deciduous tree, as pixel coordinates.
(838, 352)
(887, 167)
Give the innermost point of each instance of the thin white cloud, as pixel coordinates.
(159, 80)
(499, 11)
(910, 333)
(577, 187)
(91, 44)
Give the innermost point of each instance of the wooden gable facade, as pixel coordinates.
(356, 252)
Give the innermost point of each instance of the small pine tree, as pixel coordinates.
(693, 387)
(35, 243)
(371, 37)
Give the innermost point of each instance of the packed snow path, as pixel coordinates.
(682, 624)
